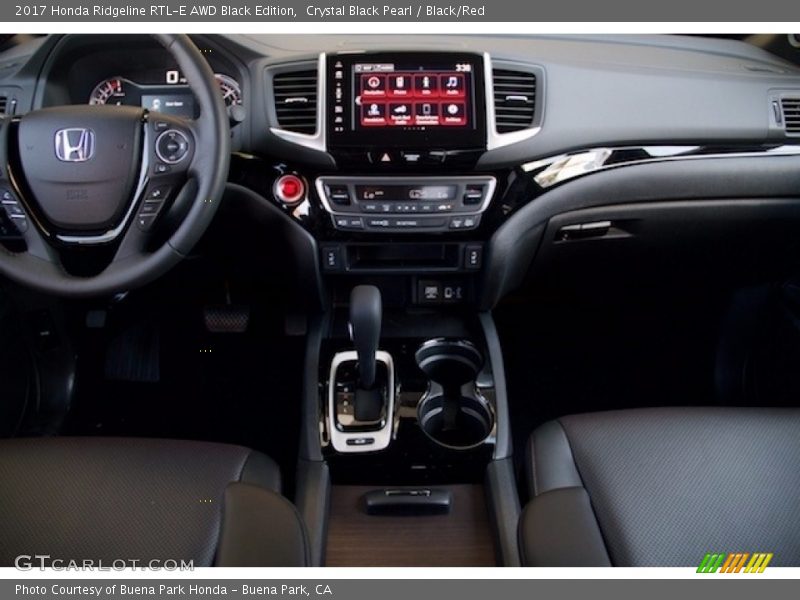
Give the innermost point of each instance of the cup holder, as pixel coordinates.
(459, 423)
(452, 413)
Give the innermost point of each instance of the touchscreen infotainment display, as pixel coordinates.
(406, 100)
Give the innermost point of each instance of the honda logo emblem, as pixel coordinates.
(75, 144)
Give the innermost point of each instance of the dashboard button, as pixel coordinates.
(411, 158)
(289, 189)
(332, 258)
(349, 223)
(473, 194)
(339, 195)
(381, 157)
(473, 257)
(408, 223)
(471, 222)
(360, 441)
(467, 222)
(379, 223)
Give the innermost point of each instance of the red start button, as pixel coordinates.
(290, 189)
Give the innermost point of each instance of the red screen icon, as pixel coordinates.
(426, 113)
(401, 85)
(400, 113)
(373, 114)
(373, 86)
(453, 113)
(452, 85)
(426, 86)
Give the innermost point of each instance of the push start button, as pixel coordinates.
(289, 189)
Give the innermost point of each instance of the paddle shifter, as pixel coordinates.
(366, 311)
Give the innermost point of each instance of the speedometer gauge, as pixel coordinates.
(110, 91)
(231, 92)
(119, 91)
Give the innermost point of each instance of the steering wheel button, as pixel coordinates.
(160, 125)
(172, 146)
(13, 209)
(145, 222)
(21, 222)
(150, 207)
(158, 193)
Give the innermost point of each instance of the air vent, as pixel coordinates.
(3, 104)
(514, 99)
(791, 115)
(295, 94)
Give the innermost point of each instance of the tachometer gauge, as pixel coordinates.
(110, 91)
(231, 92)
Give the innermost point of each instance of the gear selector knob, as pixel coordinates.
(366, 310)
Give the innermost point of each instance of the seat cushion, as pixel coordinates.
(664, 486)
(107, 499)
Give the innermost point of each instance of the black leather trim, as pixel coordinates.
(260, 529)
(106, 499)
(558, 529)
(666, 484)
(259, 469)
(550, 461)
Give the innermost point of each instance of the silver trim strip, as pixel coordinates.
(382, 436)
(487, 180)
(317, 140)
(555, 170)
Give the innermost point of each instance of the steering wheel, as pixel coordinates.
(94, 177)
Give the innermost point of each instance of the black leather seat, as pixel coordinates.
(662, 487)
(121, 499)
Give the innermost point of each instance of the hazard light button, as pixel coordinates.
(382, 157)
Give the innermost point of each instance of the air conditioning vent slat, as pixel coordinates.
(295, 97)
(3, 104)
(514, 99)
(790, 107)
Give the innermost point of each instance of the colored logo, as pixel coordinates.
(735, 562)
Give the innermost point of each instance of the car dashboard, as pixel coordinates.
(446, 173)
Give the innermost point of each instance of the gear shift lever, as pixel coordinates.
(365, 329)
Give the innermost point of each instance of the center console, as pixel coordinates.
(409, 400)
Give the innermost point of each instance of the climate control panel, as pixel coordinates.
(406, 204)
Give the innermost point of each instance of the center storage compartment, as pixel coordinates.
(403, 256)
